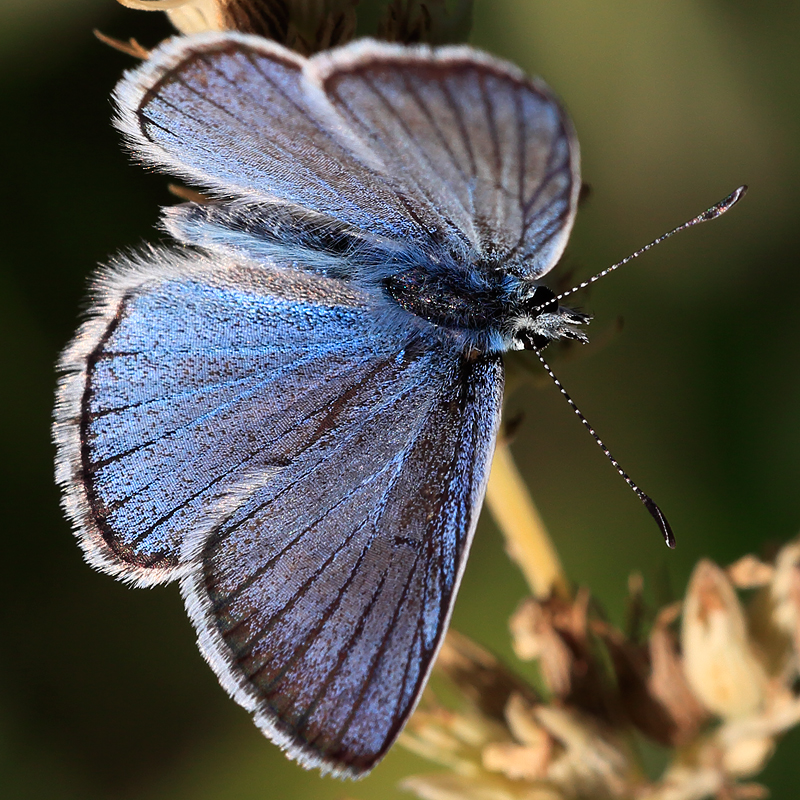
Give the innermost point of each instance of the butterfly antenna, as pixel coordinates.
(712, 213)
(649, 504)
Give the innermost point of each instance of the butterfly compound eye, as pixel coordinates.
(542, 301)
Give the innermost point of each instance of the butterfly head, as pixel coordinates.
(540, 319)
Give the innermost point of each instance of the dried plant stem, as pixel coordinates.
(527, 540)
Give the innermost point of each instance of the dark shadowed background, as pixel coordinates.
(102, 691)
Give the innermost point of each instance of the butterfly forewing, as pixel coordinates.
(231, 113)
(325, 596)
(484, 147)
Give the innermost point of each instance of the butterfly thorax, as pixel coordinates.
(501, 312)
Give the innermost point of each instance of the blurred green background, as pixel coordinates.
(102, 691)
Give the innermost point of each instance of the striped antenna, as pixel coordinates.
(649, 504)
(711, 213)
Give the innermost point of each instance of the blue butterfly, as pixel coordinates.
(293, 413)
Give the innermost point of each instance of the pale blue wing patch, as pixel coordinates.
(230, 112)
(445, 147)
(179, 385)
(314, 476)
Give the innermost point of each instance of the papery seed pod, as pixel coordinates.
(459, 787)
(480, 677)
(530, 755)
(718, 660)
(519, 762)
(688, 782)
(534, 636)
(667, 683)
(452, 739)
(652, 687)
(748, 756)
(592, 764)
(786, 592)
(522, 722)
(188, 16)
(750, 572)
(557, 634)
(772, 616)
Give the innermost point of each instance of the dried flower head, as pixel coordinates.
(718, 658)
(411, 21)
(702, 684)
(308, 26)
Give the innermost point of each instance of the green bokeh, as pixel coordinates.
(102, 691)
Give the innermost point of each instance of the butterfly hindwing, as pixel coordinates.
(179, 384)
